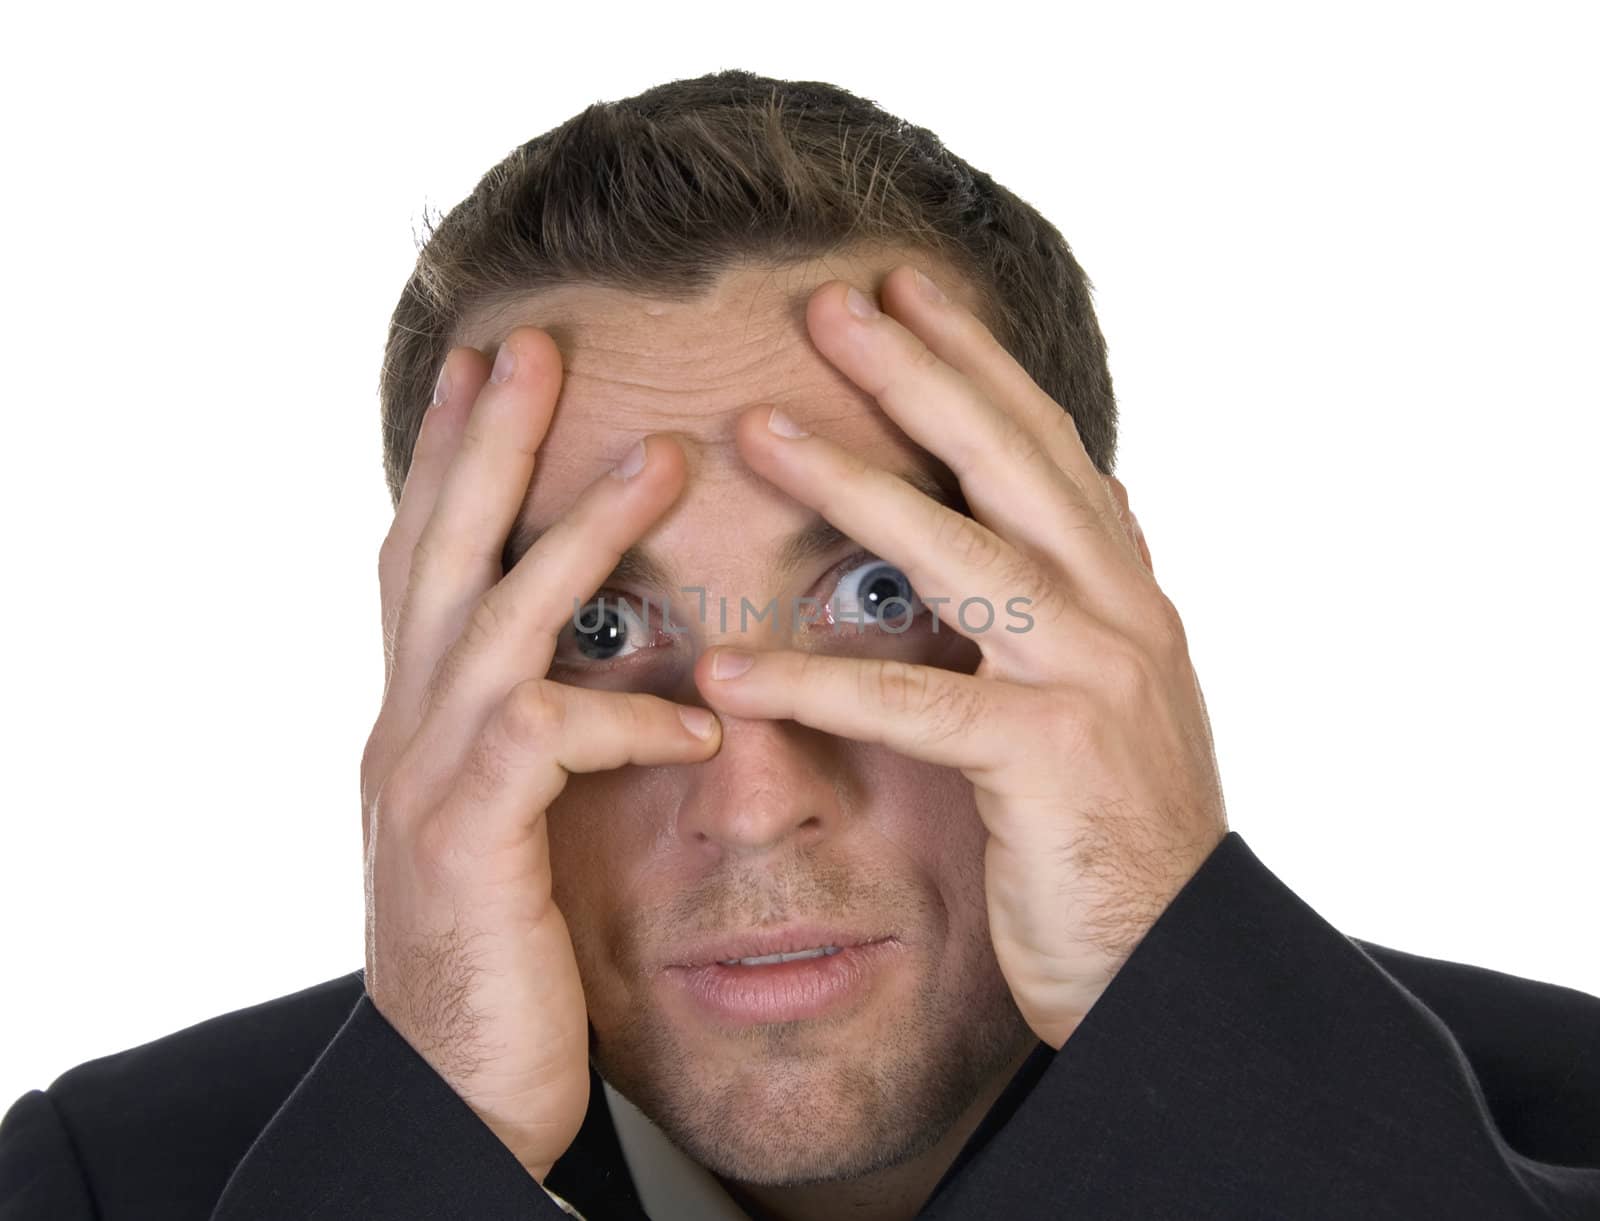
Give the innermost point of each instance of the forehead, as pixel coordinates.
(633, 365)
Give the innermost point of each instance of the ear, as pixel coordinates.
(1130, 523)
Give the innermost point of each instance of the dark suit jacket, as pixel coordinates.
(1249, 1061)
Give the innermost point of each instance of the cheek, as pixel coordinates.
(578, 843)
(600, 835)
(930, 820)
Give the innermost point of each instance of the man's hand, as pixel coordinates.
(1085, 736)
(467, 955)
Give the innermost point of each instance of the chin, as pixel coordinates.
(800, 1128)
(784, 1110)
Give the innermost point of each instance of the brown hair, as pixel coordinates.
(659, 193)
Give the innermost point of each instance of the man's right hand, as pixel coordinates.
(467, 955)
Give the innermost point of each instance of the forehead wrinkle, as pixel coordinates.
(606, 321)
(708, 429)
(642, 568)
(582, 330)
(716, 390)
(637, 563)
(683, 339)
(705, 412)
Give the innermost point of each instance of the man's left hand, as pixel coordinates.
(1085, 737)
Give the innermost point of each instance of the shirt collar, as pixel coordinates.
(671, 1185)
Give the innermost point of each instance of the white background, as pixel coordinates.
(1345, 258)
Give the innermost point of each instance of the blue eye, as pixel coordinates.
(875, 593)
(602, 630)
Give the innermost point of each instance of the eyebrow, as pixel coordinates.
(638, 567)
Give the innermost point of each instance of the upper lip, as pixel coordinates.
(756, 942)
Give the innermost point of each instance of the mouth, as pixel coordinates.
(762, 960)
(757, 948)
(752, 985)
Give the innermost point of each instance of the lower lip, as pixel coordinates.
(784, 991)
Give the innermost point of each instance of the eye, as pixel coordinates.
(875, 592)
(603, 630)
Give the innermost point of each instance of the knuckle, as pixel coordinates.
(1126, 674)
(853, 469)
(1167, 629)
(483, 627)
(643, 715)
(1020, 447)
(1023, 575)
(532, 715)
(393, 553)
(1086, 514)
(1067, 427)
(487, 623)
(897, 686)
(396, 801)
(967, 540)
(955, 713)
(373, 757)
(1019, 576)
(922, 357)
(424, 558)
(1047, 602)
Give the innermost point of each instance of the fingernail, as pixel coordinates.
(931, 291)
(441, 388)
(698, 721)
(730, 663)
(859, 304)
(505, 364)
(783, 425)
(632, 462)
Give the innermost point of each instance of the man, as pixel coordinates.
(791, 796)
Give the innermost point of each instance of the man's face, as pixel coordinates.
(785, 825)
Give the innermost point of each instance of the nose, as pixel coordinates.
(774, 786)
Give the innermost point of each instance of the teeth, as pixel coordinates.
(826, 951)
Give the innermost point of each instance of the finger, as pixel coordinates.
(950, 559)
(542, 733)
(461, 376)
(513, 631)
(962, 340)
(456, 557)
(938, 716)
(1010, 471)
